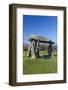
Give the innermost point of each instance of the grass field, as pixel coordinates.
(39, 66)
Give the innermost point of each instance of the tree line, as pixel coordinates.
(42, 47)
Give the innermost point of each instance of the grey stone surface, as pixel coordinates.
(29, 50)
(40, 38)
(50, 49)
(37, 49)
(33, 49)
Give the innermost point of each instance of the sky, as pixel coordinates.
(45, 26)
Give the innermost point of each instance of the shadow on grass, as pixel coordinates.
(45, 56)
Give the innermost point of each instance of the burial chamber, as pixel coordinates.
(35, 40)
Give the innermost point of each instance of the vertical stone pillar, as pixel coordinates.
(33, 49)
(37, 49)
(29, 50)
(50, 50)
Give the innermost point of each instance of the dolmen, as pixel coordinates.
(34, 45)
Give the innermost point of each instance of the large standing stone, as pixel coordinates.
(37, 49)
(33, 49)
(29, 50)
(50, 50)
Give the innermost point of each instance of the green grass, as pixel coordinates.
(39, 66)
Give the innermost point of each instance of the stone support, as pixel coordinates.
(33, 55)
(29, 50)
(50, 50)
(37, 49)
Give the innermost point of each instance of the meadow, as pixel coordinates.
(39, 65)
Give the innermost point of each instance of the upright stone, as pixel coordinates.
(29, 50)
(50, 49)
(33, 49)
(35, 46)
(37, 49)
